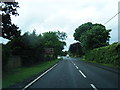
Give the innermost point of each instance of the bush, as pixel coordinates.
(106, 55)
(6, 51)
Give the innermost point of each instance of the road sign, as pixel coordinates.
(49, 51)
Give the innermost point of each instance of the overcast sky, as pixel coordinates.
(66, 15)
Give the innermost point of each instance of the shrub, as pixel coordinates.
(6, 51)
(106, 55)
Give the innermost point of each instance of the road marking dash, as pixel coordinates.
(77, 67)
(73, 63)
(93, 87)
(38, 78)
(82, 73)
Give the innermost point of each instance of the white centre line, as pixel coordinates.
(82, 73)
(73, 63)
(38, 78)
(93, 87)
(77, 67)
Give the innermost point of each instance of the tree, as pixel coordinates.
(61, 35)
(52, 40)
(9, 30)
(95, 36)
(31, 46)
(81, 30)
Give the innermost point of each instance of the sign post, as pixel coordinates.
(49, 51)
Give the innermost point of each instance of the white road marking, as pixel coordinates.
(82, 73)
(38, 78)
(93, 87)
(79, 70)
(76, 67)
(73, 63)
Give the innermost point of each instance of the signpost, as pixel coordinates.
(49, 51)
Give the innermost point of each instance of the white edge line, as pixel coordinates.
(28, 85)
(82, 73)
(93, 87)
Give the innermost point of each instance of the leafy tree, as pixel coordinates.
(9, 30)
(61, 35)
(64, 53)
(95, 36)
(31, 46)
(81, 30)
(52, 40)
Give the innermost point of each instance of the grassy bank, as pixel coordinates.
(108, 55)
(19, 74)
(108, 65)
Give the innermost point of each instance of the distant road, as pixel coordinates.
(73, 73)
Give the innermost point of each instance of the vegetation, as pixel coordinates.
(20, 74)
(31, 47)
(105, 55)
(92, 36)
(9, 30)
(5, 55)
(94, 42)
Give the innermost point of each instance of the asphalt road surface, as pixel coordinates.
(74, 73)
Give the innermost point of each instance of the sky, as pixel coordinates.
(66, 16)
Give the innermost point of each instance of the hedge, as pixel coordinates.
(107, 55)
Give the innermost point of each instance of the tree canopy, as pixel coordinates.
(81, 30)
(9, 30)
(92, 35)
(53, 40)
(31, 47)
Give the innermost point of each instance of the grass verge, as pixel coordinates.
(108, 65)
(19, 74)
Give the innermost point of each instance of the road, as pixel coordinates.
(74, 73)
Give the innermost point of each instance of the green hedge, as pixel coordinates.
(6, 52)
(106, 55)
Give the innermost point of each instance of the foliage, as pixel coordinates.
(82, 29)
(31, 46)
(61, 35)
(92, 35)
(5, 55)
(52, 40)
(106, 55)
(9, 30)
(64, 53)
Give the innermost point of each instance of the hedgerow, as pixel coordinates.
(107, 55)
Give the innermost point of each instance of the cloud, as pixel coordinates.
(65, 15)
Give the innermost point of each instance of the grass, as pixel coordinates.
(108, 65)
(19, 74)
